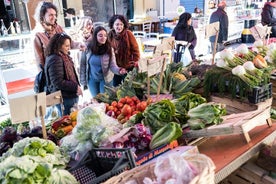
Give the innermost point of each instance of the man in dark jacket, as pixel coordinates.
(220, 16)
(269, 16)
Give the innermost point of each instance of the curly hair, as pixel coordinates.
(120, 17)
(43, 9)
(56, 43)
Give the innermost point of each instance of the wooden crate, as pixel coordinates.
(240, 119)
(249, 173)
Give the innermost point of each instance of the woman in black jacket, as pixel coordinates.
(269, 16)
(60, 71)
(184, 31)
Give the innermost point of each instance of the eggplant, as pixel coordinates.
(52, 137)
(36, 132)
(4, 147)
(8, 135)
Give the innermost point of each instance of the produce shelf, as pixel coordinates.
(240, 119)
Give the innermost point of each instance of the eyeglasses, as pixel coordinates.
(61, 35)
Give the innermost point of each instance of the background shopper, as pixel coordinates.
(184, 31)
(269, 16)
(220, 16)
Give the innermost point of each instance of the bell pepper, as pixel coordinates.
(171, 131)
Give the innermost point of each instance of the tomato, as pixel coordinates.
(120, 105)
(114, 104)
(142, 106)
(129, 101)
(118, 113)
(115, 109)
(122, 100)
(126, 110)
(110, 108)
(135, 99)
(134, 112)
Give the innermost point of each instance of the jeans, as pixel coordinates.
(68, 103)
(96, 87)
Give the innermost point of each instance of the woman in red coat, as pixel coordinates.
(124, 44)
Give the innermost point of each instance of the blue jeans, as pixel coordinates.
(68, 103)
(96, 87)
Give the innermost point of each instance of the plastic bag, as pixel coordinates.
(186, 57)
(174, 169)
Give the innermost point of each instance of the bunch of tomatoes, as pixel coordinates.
(126, 107)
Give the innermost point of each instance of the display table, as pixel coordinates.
(230, 152)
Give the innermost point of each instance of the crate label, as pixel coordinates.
(156, 152)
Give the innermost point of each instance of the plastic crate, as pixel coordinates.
(260, 93)
(100, 164)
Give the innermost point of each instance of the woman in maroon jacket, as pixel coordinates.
(124, 44)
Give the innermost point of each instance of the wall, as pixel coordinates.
(104, 9)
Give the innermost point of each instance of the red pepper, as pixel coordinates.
(58, 123)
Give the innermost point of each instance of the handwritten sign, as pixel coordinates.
(27, 108)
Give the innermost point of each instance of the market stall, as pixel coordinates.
(157, 109)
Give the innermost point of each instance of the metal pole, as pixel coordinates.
(114, 7)
(26, 12)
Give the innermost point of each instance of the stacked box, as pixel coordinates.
(260, 93)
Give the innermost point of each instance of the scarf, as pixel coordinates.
(69, 67)
(120, 44)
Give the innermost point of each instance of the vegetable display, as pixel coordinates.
(159, 114)
(206, 114)
(35, 160)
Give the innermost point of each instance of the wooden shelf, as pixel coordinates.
(230, 152)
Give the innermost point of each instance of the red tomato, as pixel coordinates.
(142, 106)
(129, 101)
(114, 104)
(118, 113)
(110, 108)
(120, 105)
(126, 110)
(122, 100)
(134, 112)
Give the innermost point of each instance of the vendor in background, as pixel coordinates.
(220, 16)
(184, 31)
(98, 63)
(268, 16)
(60, 71)
(124, 44)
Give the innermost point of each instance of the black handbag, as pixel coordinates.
(40, 82)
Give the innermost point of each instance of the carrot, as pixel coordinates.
(67, 129)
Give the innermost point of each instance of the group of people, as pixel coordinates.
(106, 57)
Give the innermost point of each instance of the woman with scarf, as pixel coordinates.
(60, 71)
(98, 63)
(184, 31)
(124, 44)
